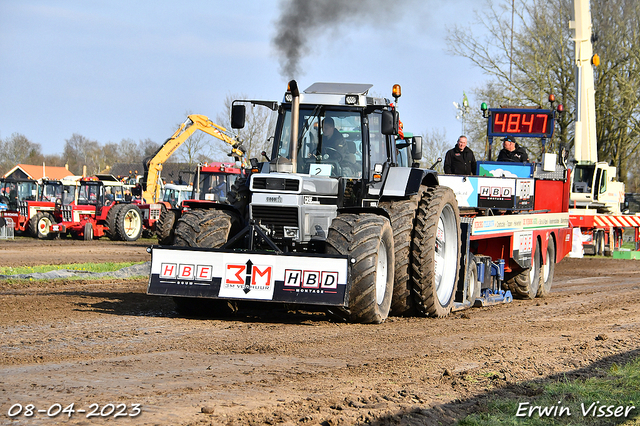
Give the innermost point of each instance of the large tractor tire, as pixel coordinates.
(203, 228)
(402, 215)
(112, 216)
(129, 222)
(548, 268)
(211, 229)
(39, 226)
(525, 284)
(165, 227)
(435, 250)
(368, 238)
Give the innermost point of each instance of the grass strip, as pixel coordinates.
(611, 398)
(89, 267)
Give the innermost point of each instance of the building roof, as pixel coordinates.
(171, 172)
(28, 171)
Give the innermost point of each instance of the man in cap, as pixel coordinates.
(512, 151)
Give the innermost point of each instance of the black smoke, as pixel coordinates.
(305, 22)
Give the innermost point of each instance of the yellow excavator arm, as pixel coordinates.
(153, 165)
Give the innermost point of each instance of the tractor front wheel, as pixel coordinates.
(368, 239)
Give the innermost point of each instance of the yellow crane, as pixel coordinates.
(153, 165)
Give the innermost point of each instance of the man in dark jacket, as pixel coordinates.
(460, 159)
(512, 151)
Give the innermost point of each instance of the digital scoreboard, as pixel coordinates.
(521, 122)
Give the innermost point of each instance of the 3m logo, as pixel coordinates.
(186, 271)
(310, 279)
(248, 274)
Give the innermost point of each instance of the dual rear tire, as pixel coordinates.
(368, 239)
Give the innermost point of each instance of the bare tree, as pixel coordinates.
(541, 62)
(259, 126)
(79, 152)
(435, 144)
(18, 149)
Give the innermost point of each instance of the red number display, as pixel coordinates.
(520, 122)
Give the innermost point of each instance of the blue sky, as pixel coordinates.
(114, 70)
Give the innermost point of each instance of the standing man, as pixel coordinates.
(512, 151)
(460, 159)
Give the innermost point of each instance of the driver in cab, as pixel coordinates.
(332, 139)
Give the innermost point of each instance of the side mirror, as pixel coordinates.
(416, 148)
(238, 114)
(390, 120)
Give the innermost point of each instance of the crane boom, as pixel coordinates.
(586, 147)
(153, 165)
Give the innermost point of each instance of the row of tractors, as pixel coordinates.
(102, 205)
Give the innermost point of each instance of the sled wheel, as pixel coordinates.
(474, 287)
(525, 284)
(548, 269)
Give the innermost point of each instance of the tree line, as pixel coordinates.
(81, 152)
(537, 59)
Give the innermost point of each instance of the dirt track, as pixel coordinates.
(107, 342)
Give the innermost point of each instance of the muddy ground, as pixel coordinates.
(106, 342)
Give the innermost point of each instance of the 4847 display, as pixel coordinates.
(94, 410)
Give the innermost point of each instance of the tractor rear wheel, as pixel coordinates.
(525, 284)
(402, 215)
(368, 238)
(129, 222)
(211, 229)
(548, 268)
(435, 250)
(39, 225)
(112, 215)
(164, 227)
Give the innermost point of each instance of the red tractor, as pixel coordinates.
(100, 210)
(32, 204)
(214, 180)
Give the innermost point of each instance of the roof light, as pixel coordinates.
(351, 99)
(552, 98)
(483, 106)
(595, 60)
(288, 97)
(397, 91)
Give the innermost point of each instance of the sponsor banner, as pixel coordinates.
(230, 275)
(491, 192)
(508, 224)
